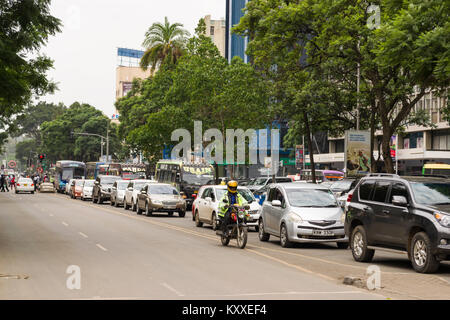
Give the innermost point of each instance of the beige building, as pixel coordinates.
(125, 76)
(216, 30)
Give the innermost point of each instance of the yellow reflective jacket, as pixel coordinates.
(222, 209)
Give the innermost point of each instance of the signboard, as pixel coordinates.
(357, 152)
(12, 164)
(393, 147)
(299, 157)
(126, 87)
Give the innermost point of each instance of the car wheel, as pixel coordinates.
(198, 223)
(111, 202)
(148, 211)
(262, 235)
(125, 205)
(422, 259)
(138, 210)
(284, 237)
(181, 214)
(342, 245)
(214, 221)
(358, 245)
(134, 205)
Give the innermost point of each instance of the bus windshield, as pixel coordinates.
(197, 175)
(72, 173)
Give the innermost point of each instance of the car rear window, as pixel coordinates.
(365, 190)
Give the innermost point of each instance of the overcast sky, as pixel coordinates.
(85, 52)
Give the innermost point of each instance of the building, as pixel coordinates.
(126, 71)
(235, 45)
(416, 146)
(216, 30)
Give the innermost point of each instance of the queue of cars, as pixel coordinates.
(374, 212)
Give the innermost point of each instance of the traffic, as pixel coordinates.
(366, 213)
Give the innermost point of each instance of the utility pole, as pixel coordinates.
(357, 92)
(107, 143)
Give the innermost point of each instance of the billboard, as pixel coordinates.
(357, 152)
(299, 159)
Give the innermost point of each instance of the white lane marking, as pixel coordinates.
(65, 224)
(178, 293)
(83, 235)
(101, 247)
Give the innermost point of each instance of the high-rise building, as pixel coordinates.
(235, 44)
(216, 30)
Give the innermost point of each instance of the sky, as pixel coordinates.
(85, 52)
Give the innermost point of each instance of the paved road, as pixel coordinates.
(121, 255)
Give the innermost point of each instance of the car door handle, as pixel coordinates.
(386, 211)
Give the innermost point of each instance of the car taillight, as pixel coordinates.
(32, 184)
(18, 184)
(349, 197)
(194, 195)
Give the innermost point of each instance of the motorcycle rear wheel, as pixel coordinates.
(225, 240)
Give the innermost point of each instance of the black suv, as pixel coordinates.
(102, 188)
(410, 214)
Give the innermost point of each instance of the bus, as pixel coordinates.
(440, 169)
(187, 178)
(93, 169)
(128, 171)
(66, 170)
(322, 175)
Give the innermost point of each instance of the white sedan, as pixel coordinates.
(25, 185)
(205, 207)
(132, 191)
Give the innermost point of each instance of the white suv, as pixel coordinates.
(205, 206)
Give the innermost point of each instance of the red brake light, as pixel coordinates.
(18, 184)
(194, 195)
(349, 198)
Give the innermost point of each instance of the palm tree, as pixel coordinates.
(163, 43)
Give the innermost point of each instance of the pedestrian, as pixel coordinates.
(36, 181)
(3, 184)
(13, 182)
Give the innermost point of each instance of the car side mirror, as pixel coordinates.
(208, 199)
(276, 203)
(143, 192)
(399, 201)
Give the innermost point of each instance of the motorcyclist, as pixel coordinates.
(231, 197)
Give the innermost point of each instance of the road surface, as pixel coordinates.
(50, 243)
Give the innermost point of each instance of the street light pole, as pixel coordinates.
(107, 143)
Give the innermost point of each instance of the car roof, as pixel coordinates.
(299, 185)
(221, 186)
(394, 177)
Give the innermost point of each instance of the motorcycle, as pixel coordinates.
(237, 229)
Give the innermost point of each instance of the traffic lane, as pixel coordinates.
(193, 265)
(37, 244)
(399, 280)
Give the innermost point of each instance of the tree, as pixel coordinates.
(26, 150)
(406, 54)
(24, 27)
(30, 120)
(164, 43)
(58, 144)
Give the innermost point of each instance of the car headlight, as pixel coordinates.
(343, 218)
(443, 219)
(157, 201)
(294, 218)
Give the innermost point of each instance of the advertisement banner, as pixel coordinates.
(126, 87)
(299, 157)
(393, 146)
(357, 153)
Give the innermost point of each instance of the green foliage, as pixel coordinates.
(79, 118)
(409, 50)
(26, 150)
(165, 43)
(201, 86)
(24, 27)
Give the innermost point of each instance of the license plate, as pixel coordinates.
(322, 233)
(26, 185)
(170, 207)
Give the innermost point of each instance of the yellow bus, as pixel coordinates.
(441, 169)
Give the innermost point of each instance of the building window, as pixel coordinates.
(211, 30)
(413, 140)
(340, 146)
(441, 140)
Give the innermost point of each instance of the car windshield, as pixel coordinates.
(315, 198)
(158, 189)
(341, 185)
(122, 185)
(79, 182)
(259, 181)
(139, 185)
(431, 193)
(89, 183)
(245, 193)
(109, 180)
